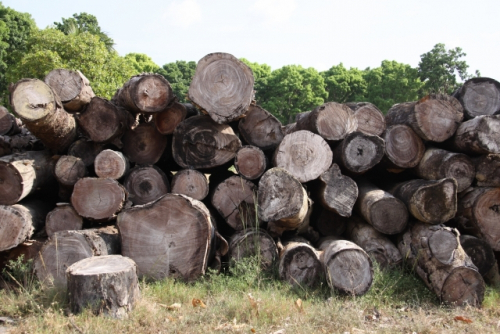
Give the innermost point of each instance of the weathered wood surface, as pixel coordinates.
(370, 119)
(9, 124)
(252, 242)
(482, 256)
(403, 148)
(222, 86)
(480, 96)
(190, 182)
(478, 136)
(62, 218)
(69, 169)
(144, 144)
(167, 120)
(250, 162)
(85, 150)
(487, 170)
(359, 152)
(72, 87)
(337, 192)
(111, 164)
(19, 142)
(146, 184)
(260, 128)
(300, 265)
(28, 250)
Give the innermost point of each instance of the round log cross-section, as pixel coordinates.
(144, 145)
(300, 265)
(112, 164)
(72, 87)
(337, 192)
(359, 152)
(167, 120)
(146, 184)
(62, 218)
(69, 170)
(191, 183)
(478, 135)
(250, 162)
(480, 96)
(403, 148)
(371, 121)
(252, 242)
(260, 128)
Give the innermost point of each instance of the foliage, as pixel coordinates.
(179, 74)
(49, 49)
(142, 63)
(344, 85)
(261, 73)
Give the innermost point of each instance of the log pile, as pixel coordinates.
(337, 188)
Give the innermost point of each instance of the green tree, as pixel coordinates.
(261, 73)
(49, 49)
(179, 74)
(142, 63)
(344, 85)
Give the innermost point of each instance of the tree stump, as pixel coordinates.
(72, 87)
(370, 119)
(62, 218)
(167, 120)
(480, 96)
(337, 192)
(111, 164)
(403, 148)
(250, 162)
(300, 265)
(260, 128)
(144, 144)
(191, 183)
(487, 170)
(359, 152)
(478, 136)
(253, 242)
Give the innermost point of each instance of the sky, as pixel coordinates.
(313, 33)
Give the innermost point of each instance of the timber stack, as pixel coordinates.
(179, 188)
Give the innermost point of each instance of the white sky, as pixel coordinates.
(319, 34)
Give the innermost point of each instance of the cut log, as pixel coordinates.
(438, 164)
(431, 202)
(480, 96)
(22, 173)
(478, 136)
(145, 93)
(289, 128)
(172, 236)
(28, 250)
(67, 247)
(199, 143)
(69, 170)
(19, 143)
(253, 242)
(359, 152)
(41, 111)
(235, 200)
(337, 192)
(370, 119)
(487, 170)
(482, 256)
(191, 183)
(332, 121)
(377, 245)
(435, 117)
(300, 265)
(104, 284)
(9, 125)
(260, 128)
(144, 145)
(72, 87)
(348, 268)
(329, 223)
(111, 164)
(167, 120)
(403, 148)
(437, 257)
(62, 218)
(85, 150)
(146, 184)
(250, 162)
(303, 154)
(384, 212)
(190, 110)
(103, 122)
(222, 86)
(479, 214)
(98, 199)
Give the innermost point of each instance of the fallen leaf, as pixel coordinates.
(464, 319)
(197, 302)
(252, 330)
(298, 303)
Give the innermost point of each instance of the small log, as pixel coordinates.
(145, 93)
(22, 173)
(19, 143)
(371, 120)
(85, 150)
(253, 242)
(348, 268)
(191, 183)
(260, 128)
(300, 265)
(67, 171)
(482, 256)
(111, 164)
(146, 184)
(332, 121)
(437, 257)
(289, 128)
(384, 212)
(190, 110)
(67, 247)
(329, 223)
(250, 162)
(337, 192)
(222, 86)
(359, 152)
(478, 136)
(167, 120)
(480, 96)
(62, 218)
(98, 199)
(72, 87)
(199, 142)
(41, 110)
(487, 170)
(28, 250)
(377, 245)
(403, 148)
(144, 144)
(438, 164)
(9, 125)
(303, 154)
(105, 284)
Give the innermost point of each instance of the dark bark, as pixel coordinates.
(144, 144)
(359, 152)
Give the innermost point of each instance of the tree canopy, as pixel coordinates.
(179, 74)
(344, 85)
(142, 63)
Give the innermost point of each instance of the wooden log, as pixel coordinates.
(370, 119)
(191, 183)
(200, 143)
(146, 184)
(72, 87)
(98, 199)
(332, 121)
(85, 150)
(144, 144)
(19, 142)
(9, 125)
(329, 223)
(62, 218)
(300, 265)
(348, 268)
(167, 120)
(41, 111)
(384, 212)
(303, 154)
(482, 256)
(253, 242)
(337, 192)
(111, 164)
(27, 250)
(487, 170)
(104, 284)
(437, 257)
(67, 247)
(359, 152)
(22, 173)
(103, 122)
(431, 202)
(479, 214)
(439, 164)
(480, 96)
(222, 86)
(250, 162)
(69, 169)
(145, 93)
(374, 243)
(403, 148)
(260, 128)
(478, 136)
(171, 236)
(190, 110)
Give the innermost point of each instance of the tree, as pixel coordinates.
(179, 74)
(261, 73)
(142, 63)
(344, 85)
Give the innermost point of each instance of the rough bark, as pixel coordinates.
(359, 152)
(337, 192)
(478, 136)
(487, 170)
(191, 183)
(437, 257)
(167, 120)
(9, 125)
(19, 143)
(253, 242)
(481, 254)
(62, 218)
(144, 145)
(111, 164)
(72, 87)
(480, 96)
(222, 86)
(300, 265)
(370, 119)
(85, 150)
(146, 184)
(261, 129)
(403, 148)
(250, 162)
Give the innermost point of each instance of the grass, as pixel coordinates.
(247, 299)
